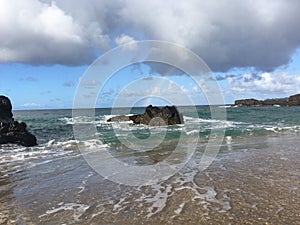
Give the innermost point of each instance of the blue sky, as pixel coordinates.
(46, 47)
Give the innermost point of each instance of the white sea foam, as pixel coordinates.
(159, 200)
(14, 157)
(93, 144)
(106, 117)
(178, 210)
(75, 144)
(78, 209)
(158, 195)
(224, 106)
(22, 154)
(243, 126)
(67, 120)
(212, 122)
(192, 132)
(83, 120)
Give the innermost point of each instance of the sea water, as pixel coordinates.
(52, 183)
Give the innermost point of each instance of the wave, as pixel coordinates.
(212, 123)
(108, 131)
(12, 153)
(75, 144)
(97, 120)
(79, 120)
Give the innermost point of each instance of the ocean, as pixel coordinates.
(252, 177)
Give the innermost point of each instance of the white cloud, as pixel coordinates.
(31, 105)
(39, 33)
(279, 84)
(220, 32)
(68, 32)
(125, 39)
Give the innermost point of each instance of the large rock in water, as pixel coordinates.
(153, 116)
(12, 131)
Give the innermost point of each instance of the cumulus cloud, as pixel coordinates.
(226, 34)
(268, 83)
(220, 32)
(31, 105)
(39, 33)
(125, 39)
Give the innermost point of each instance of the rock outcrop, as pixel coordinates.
(248, 102)
(293, 100)
(153, 116)
(12, 131)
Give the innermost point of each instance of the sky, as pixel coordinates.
(252, 48)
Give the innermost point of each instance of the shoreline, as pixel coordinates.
(253, 180)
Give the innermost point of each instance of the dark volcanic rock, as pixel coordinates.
(293, 100)
(248, 102)
(277, 101)
(12, 131)
(153, 116)
(5, 109)
(118, 119)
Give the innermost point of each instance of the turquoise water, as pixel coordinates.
(56, 125)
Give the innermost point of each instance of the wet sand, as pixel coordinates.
(260, 182)
(253, 181)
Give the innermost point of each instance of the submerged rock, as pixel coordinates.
(153, 116)
(12, 131)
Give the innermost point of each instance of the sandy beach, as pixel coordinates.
(252, 181)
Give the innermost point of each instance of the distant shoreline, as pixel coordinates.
(127, 107)
(293, 100)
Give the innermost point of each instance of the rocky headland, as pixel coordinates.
(153, 116)
(293, 100)
(12, 131)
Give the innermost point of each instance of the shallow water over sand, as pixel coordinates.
(252, 181)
